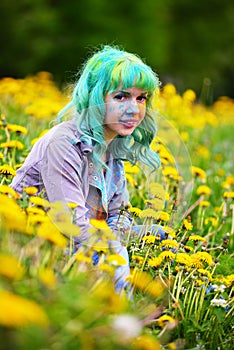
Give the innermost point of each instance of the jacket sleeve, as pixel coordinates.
(119, 219)
(62, 175)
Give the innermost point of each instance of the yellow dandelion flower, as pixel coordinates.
(157, 190)
(199, 282)
(166, 158)
(187, 248)
(204, 256)
(218, 157)
(40, 202)
(149, 213)
(81, 257)
(17, 311)
(163, 216)
(156, 203)
(34, 219)
(164, 320)
(184, 135)
(49, 231)
(228, 194)
(101, 247)
(187, 225)
(169, 243)
(30, 190)
(116, 260)
(203, 151)
(169, 230)
(230, 180)
(171, 172)
(106, 268)
(12, 144)
(149, 239)
(17, 128)
(33, 141)
(8, 190)
(135, 211)
(154, 262)
(2, 156)
(35, 210)
(17, 166)
(172, 346)
(167, 255)
(169, 90)
(183, 259)
(197, 238)
(198, 172)
(14, 217)
(137, 258)
(131, 169)
(144, 282)
(155, 144)
(47, 277)
(131, 180)
(10, 267)
(221, 172)
(204, 204)
(203, 190)
(99, 224)
(228, 280)
(189, 95)
(218, 209)
(165, 155)
(105, 295)
(206, 273)
(7, 170)
(213, 221)
(196, 263)
(146, 342)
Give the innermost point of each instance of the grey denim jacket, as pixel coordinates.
(60, 165)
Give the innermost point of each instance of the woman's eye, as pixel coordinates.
(119, 97)
(142, 99)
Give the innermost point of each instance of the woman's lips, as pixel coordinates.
(128, 123)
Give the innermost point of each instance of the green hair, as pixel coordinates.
(102, 74)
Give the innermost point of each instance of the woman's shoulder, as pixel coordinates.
(66, 135)
(65, 132)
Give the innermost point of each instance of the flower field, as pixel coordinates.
(181, 289)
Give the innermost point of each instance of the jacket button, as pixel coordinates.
(91, 165)
(95, 178)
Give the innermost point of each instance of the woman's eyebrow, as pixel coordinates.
(123, 92)
(129, 93)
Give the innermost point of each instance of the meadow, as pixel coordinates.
(181, 288)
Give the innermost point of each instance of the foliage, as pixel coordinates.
(188, 43)
(180, 291)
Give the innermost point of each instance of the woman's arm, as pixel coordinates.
(63, 175)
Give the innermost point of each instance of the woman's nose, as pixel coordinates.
(132, 107)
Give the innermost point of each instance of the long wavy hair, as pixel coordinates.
(102, 74)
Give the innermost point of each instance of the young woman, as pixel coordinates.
(81, 160)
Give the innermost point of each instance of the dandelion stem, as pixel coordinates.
(146, 257)
(189, 300)
(129, 233)
(232, 229)
(172, 296)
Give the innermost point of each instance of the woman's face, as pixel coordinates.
(125, 110)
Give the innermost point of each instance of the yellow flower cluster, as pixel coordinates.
(34, 94)
(144, 282)
(17, 311)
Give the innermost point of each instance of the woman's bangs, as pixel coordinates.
(131, 74)
(138, 76)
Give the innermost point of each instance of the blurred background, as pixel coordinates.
(189, 43)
